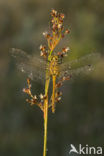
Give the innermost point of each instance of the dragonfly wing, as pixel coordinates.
(33, 66)
(83, 65)
(85, 60)
(78, 71)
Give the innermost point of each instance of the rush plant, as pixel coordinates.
(53, 60)
(54, 69)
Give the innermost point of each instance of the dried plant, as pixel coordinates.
(52, 71)
(54, 68)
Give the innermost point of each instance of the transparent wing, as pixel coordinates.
(78, 71)
(85, 60)
(33, 66)
(84, 64)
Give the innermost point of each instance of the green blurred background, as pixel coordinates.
(80, 116)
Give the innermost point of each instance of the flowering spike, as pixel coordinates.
(52, 69)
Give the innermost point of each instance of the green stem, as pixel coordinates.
(46, 106)
(45, 131)
(46, 115)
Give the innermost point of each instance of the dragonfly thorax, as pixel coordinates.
(53, 66)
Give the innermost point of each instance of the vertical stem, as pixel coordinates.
(46, 115)
(45, 128)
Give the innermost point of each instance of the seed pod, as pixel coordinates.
(44, 54)
(64, 78)
(67, 31)
(65, 50)
(53, 13)
(62, 15)
(59, 84)
(42, 47)
(26, 90)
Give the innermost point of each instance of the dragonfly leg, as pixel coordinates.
(53, 94)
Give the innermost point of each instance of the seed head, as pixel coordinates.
(53, 13)
(28, 100)
(60, 54)
(26, 90)
(58, 99)
(58, 93)
(67, 31)
(62, 15)
(43, 53)
(46, 35)
(65, 50)
(59, 84)
(35, 97)
(59, 26)
(64, 78)
(41, 96)
(42, 47)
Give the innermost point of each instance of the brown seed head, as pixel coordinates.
(53, 13)
(65, 50)
(35, 97)
(59, 26)
(41, 96)
(26, 90)
(64, 78)
(67, 31)
(58, 99)
(59, 84)
(62, 15)
(46, 35)
(28, 100)
(58, 94)
(44, 54)
(60, 54)
(42, 47)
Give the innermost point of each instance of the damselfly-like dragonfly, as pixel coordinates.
(35, 67)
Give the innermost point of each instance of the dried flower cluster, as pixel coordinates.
(55, 35)
(53, 69)
(52, 58)
(34, 99)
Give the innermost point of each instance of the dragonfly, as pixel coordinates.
(35, 67)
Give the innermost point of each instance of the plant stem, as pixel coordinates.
(45, 130)
(46, 115)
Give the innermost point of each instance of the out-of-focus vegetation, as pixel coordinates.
(79, 118)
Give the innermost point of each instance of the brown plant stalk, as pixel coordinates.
(52, 70)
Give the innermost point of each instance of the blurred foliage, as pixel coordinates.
(79, 119)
